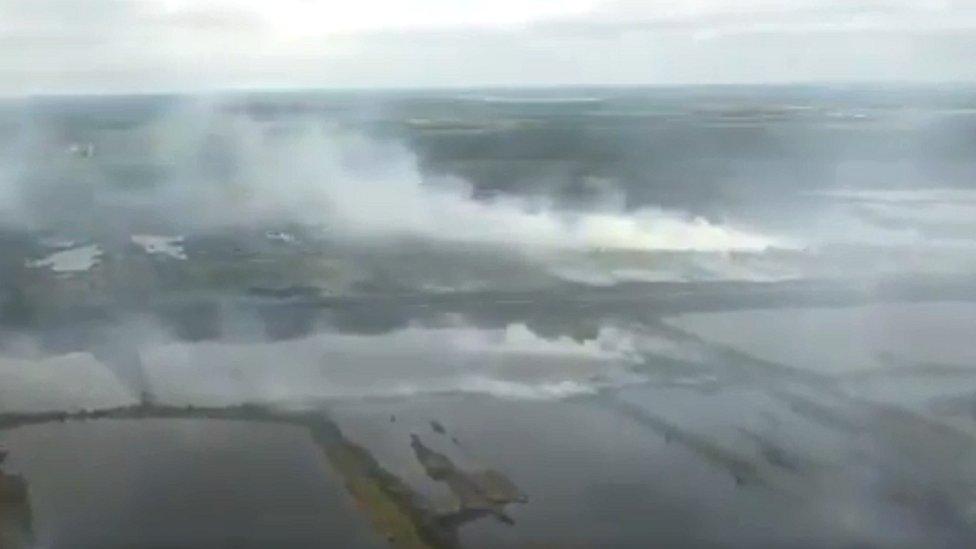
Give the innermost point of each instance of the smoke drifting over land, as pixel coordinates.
(705, 305)
(210, 169)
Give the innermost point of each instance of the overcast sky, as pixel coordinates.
(55, 46)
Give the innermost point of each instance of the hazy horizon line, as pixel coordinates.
(865, 85)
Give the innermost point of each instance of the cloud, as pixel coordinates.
(146, 45)
(782, 16)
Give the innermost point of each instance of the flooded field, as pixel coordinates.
(653, 318)
(173, 483)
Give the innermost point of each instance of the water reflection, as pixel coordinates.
(426, 408)
(16, 519)
(156, 497)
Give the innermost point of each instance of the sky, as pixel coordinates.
(106, 46)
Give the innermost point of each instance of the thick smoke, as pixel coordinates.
(204, 167)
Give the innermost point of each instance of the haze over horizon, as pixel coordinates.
(123, 46)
